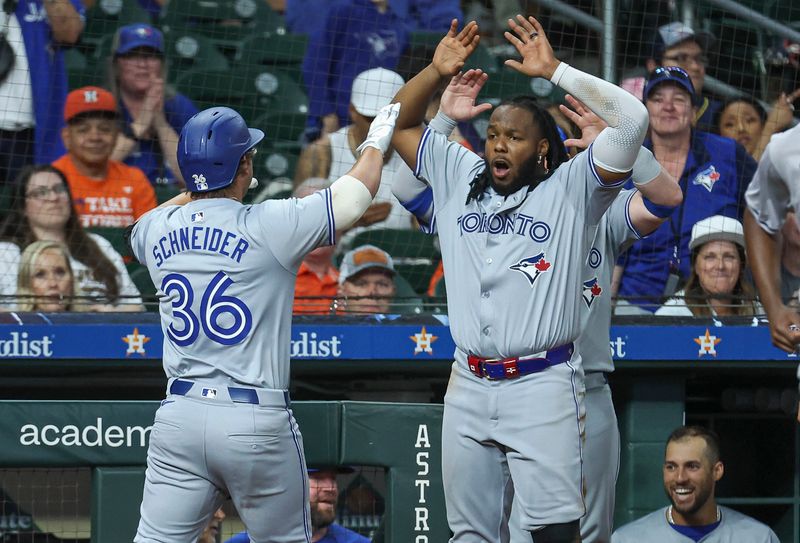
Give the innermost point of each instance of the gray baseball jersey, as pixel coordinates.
(776, 184)
(225, 275)
(733, 528)
(512, 265)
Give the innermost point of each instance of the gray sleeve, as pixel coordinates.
(768, 195)
(138, 239)
(295, 226)
(621, 231)
(445, 165)
(585, 189)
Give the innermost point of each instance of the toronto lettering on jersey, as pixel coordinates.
(19, 345)
(308, 345)
(511, 223)
(423, 483)
(93, 435)
(200, 238)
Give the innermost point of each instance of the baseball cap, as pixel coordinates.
(670, 35)
(139, 35)
(362, 258)
(88, 99)
(374, 89)
(672, 74)
(717, 228)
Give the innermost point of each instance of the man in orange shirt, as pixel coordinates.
(317, 279)
(105, 192)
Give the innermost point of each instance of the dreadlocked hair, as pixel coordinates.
(556, 154)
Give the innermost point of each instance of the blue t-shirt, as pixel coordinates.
(336, 534)
(146, 155)
(714, 179)
(354, 38)
(48, 77)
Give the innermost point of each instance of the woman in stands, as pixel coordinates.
(717, 286)
(153, 114)
(41, 209)
(744, 120)
(45, 281)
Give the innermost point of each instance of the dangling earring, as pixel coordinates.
(539, 162)
(546, 168)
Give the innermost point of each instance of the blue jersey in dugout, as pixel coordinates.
(225, 274)
(713, 182)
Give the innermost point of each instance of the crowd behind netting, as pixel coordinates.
(93, 96)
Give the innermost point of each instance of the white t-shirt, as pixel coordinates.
(85, 284)
(16, 93)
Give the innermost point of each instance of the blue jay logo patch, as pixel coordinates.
(532, 267)
(591, 290)
(707, 178)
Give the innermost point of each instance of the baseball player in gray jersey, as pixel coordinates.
(225, 273)
(515, 231)
(692, 468)
(775, 189)
(634, 213)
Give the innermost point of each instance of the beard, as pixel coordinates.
(702, 495)
(322, 518)
(530, 172)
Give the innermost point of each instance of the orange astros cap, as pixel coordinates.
(87, 99)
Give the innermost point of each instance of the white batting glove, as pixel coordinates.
(381, 129)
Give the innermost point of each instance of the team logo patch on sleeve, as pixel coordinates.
(591, 290)
(707, 178)
(198, 217)
(532, 267)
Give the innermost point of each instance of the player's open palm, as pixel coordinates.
(584, 118)
(458, 99)
(528, 37)
(455, 48)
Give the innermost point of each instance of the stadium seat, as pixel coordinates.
(105, 17)
(272, 49)
(115, 236)
(283, 129)
(188, 52)
(414, 253)
(166, 192)
(406, 300)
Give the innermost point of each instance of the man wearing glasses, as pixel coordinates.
(676, 44)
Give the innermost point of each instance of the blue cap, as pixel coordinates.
(669, 74)
(139, 35)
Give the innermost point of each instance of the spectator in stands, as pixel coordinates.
(323, 493)
(211, 532)
(42, 210)
(717, 285)
(692, 467)
(107, 193)
(334, 154)
(357, 35)
(366, 281)
(33, 83)
(676, 44)
(317, 279)
(152, 112)
(45, 281)
(744, 120)
(713, 173)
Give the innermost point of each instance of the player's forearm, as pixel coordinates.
(415, 95)
(352, 193)
(655, 183)
(764, 258)
(616, 148)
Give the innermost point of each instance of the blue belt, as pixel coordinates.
(509, 368)
(180, 387)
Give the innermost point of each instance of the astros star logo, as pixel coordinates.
(423, 342)
(591, 290)
(135, 343)
(532, 267)
(707, 344)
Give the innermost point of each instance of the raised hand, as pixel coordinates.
(381, 129)
(532, 44)
(584, 118)
(454, 49)
(458, 99)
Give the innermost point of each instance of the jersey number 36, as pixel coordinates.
(213, 305)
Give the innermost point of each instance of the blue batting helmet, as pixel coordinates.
(210, 147)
